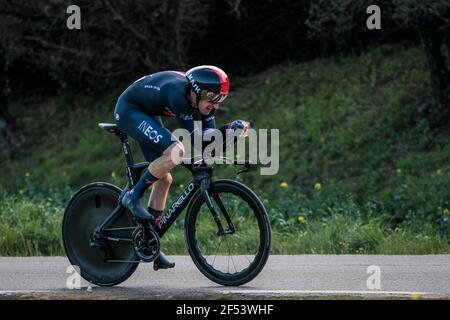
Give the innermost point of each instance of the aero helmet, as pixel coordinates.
(209, 83)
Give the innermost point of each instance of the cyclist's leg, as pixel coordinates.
(158, 198)
(147, 131)
(130, 122)
(160, 188)
(150, 133)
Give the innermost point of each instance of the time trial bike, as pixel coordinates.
(227, 229)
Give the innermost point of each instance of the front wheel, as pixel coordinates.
(239, 255)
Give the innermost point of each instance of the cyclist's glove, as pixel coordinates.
(234, 126)
(228, 133)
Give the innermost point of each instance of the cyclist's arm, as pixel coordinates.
(181, 107)
(209, 121)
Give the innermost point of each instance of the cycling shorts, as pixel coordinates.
(147, 130)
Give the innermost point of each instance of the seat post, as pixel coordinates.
(128, 156)
(126, 148)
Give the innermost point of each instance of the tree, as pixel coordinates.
(118, 39)
(7, 121)
(339, 22)
(431, 20)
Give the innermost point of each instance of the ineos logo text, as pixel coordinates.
(148, 130)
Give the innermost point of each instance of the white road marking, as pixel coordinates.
(24, 291)
(258, 291)
(267, 293)
(309, 292)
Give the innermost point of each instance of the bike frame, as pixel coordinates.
(202, 174)
(168, 219)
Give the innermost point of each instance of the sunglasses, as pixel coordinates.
(218, 98)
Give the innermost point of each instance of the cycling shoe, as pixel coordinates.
(136, 208)
(162, 263)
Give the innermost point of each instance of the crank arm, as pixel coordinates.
(119, 239)
(122, 261)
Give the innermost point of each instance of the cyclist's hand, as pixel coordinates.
(241, 127)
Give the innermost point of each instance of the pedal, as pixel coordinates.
(162, 263)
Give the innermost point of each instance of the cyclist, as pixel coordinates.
(191, 96)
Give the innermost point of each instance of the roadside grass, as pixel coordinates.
(30, 225)
(344, 235)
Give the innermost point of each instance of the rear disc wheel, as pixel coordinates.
(87, 209)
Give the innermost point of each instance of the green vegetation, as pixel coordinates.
(360, 170)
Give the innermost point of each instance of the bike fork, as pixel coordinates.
(204, 189)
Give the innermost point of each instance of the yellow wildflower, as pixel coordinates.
(416, 296)
(301, 219)
(446, 211)
(283, 184)
(113, 174)
(317, 186)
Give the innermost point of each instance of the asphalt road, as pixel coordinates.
(294, 277)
